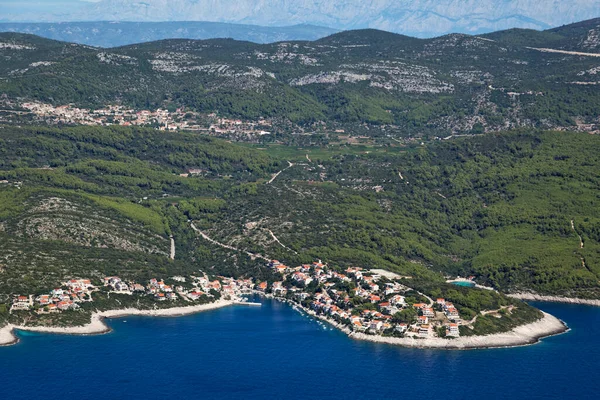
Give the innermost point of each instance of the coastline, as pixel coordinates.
(522, 335)
(554, 299)
(519, 336)
(97, 326)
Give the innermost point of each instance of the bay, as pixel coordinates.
(275, 352)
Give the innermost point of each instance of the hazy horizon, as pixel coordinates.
(421, 18)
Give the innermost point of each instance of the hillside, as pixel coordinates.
(583, 36)
(97, 202)
(516, 210)
(397, 85)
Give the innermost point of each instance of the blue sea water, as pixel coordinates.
(275, 352)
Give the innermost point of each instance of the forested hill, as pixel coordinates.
(519, 210)
(451, 84)
(582, 36)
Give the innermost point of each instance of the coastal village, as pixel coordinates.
(362, 300)
(373, 302)
(76, 291)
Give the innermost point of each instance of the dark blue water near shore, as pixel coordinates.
(274, 352)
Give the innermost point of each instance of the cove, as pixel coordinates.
(275, 352)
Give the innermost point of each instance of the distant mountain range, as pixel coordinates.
(421, 18)
(113, 34)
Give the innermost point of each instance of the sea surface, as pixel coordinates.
(274, 352)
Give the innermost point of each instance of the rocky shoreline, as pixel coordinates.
(522, 335)
(97, 325)
(554, 299)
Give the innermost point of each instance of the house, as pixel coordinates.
(441, 302)
(52, 308)
(281, 269)
(262, 286)
(21, 303)
(388, 308)
(278, 289)
(171, 296)
(301, 277)
(374, 287)
(452, 330)
(83, 284)
(160, 296)
(121, 287)
(428, 312)
(136, 287)
(341, 277)
(375, 326)
(358, 326)
(424, 331)
(108, 279)
(356, 272)
(452, 313)
(303, 296)
(64, 305)
(402, 327)
(374, 298)
(422, 320)
(195, 295)
(397, 300)
(278, 267)
(202, 281)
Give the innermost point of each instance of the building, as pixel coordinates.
(424, 331)
(428, 312)
(452, 330)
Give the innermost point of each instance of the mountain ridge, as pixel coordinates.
(423, 18)
(113, 34)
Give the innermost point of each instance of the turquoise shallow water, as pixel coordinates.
(274, 352)
(462, 283)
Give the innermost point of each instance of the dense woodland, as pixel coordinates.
(498, 207)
